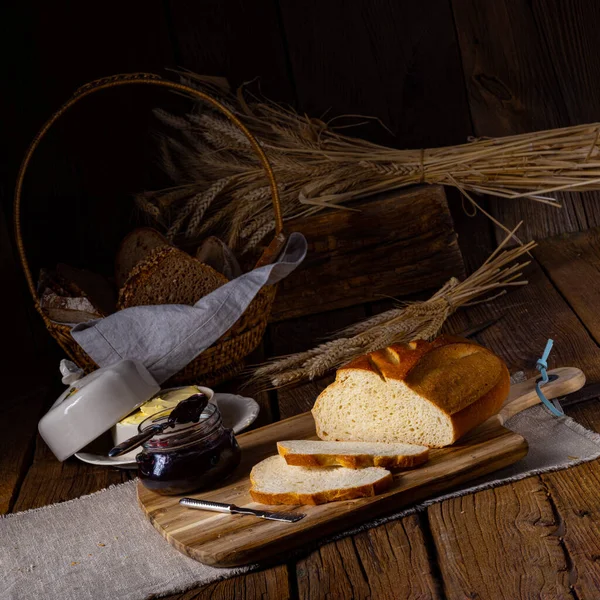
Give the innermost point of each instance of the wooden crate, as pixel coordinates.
(396, 245)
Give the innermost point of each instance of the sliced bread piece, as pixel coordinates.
(353, 455)
(168, 276)
(428, 393)
(134, 248)
(276, 482)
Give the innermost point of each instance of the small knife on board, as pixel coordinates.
(240, 510)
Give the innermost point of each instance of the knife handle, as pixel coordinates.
(206, 505)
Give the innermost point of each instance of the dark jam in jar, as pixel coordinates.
(188, 457)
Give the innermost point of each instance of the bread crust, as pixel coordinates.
(451, 372)
(464, 380)
(354, 461)
(484, 408)
(363, 491)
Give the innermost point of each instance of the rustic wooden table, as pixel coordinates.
(536, 538)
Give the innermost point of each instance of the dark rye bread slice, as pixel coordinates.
(134, 248)
(168, 276)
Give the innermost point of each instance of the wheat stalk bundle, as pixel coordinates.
(221, 187)
(407, 322)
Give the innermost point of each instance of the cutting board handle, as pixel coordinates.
(563, 380)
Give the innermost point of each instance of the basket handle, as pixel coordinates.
(129, 79)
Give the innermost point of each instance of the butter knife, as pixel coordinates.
(239, 510)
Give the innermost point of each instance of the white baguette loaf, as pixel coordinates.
(428, 393)
(276, 482)
(353, 455)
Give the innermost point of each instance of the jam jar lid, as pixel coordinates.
(181, 434)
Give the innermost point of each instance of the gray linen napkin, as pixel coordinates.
(165, 338)
(102, 546)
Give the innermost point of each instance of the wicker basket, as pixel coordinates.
(224, 358)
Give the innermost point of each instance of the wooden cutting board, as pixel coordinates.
(225, 540)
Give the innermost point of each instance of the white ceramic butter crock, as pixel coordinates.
(93, 404)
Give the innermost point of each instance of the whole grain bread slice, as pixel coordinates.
(168, 276)
(134, 248)
(276, 482)
(353, 455)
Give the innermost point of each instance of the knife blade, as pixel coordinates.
(589, 392)
(239, 510)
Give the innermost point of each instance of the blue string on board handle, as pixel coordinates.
(542, 364)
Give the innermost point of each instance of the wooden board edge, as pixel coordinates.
(514, 450)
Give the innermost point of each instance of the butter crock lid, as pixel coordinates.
(92, 404)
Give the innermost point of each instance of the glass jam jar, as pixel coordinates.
(187, 457)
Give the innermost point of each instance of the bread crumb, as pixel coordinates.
(74, 563)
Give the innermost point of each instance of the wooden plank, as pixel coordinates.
(22, 413)
(22, 404)
(500, 543)
(397, 245)
(382, 59)
(572, 262)
(235, 40)
(49, 481)
(394, 563)
(530, 315)
(519, 61)
(223, 540)
(574, 494)
(270, 583)
(474, 532)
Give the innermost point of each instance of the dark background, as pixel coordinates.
(433, 71)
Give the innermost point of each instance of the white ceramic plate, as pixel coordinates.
(238, 413)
